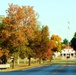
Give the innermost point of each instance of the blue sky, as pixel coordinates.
(54, 13)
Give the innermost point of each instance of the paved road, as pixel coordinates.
(46, 70)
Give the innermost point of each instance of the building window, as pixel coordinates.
(72, 54)
(64, 54)
(68, 55)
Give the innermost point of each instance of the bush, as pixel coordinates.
(3, 59)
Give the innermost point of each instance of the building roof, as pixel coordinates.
(68, 47)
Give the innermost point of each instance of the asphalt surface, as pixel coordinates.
(45, 70)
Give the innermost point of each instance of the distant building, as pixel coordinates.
(68, 53)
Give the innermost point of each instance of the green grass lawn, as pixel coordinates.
(25, 66)
(59, 60)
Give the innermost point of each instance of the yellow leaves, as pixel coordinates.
(5, 33)
(3, 52)
(18, 38)
(56, 38)
(6, 21)
(22, 14)
(20, 35)
(63, 46)
(30, 11)
(56, 42)
(20, 30)
(16, 13)
(53, 44)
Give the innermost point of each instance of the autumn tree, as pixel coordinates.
(4, 52)
(56, 41)
(42, 43)
(45, 42)
(20, 34)
(18, 28)
(29, 31)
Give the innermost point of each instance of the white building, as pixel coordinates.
(57, 54)
(68, 53)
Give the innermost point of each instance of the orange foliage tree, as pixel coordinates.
(3, 56)
(21, 35)
(56, 42)
(41, 44)
(18, 28)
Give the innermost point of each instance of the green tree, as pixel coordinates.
(73, 41)
(66, 42)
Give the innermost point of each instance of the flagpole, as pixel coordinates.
(68, 33)
(68, 37)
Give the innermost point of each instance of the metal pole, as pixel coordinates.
(68, 32)
(68, 39)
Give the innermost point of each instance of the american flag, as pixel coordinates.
(68, 25)
(68, 22)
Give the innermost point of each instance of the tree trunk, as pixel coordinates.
(13, 63)
(18, 60)
(39, 60)
(29, 63)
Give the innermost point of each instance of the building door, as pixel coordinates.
(68, 56)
